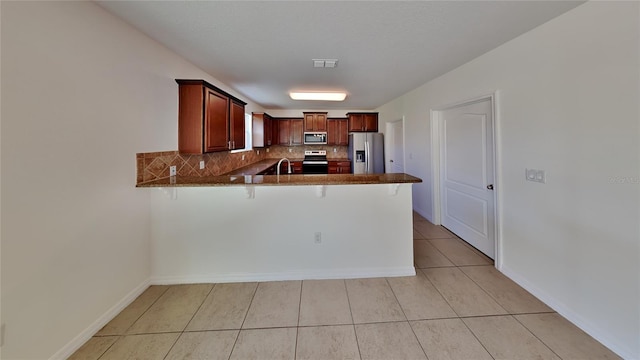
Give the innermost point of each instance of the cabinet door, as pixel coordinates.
(284, 132)
(344, 167)
(371, 122)
(296, 167)
(267, 130)
(262, 132)
(320, 123)
(315, 122)
(296, 131)
(356, 122)
(309, 122)
(236, 128)
(342, 132)
(275, 131)
(216, 121)
(332, 132)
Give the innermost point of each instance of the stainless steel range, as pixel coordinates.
(315, 162)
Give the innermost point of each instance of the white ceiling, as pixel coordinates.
(264, 49)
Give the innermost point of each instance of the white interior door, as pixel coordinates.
(467, 173)
(396, 147)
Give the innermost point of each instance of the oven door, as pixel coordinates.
(315, 167)
(315, 138)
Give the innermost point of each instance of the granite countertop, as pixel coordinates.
(283, 180)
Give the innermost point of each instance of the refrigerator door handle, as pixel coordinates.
(367, 156)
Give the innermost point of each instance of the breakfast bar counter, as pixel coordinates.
(284, 179)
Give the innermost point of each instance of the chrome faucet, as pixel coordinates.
(288, 167)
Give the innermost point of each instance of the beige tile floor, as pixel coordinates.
(458, 306)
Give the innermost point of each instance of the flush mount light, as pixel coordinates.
(321, 96)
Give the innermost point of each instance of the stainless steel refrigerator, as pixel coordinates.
(366, 152)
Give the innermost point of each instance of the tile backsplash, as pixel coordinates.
(155, 165)
(297, 152)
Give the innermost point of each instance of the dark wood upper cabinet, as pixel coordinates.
(209, 119)
(262, 130)
(216, 121)
(236, 126)
(289, 131)
(315, 121)
(297, 137)
(284, 131)
(363, 122)
(337, 131)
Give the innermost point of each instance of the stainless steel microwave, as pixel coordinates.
(315, 138)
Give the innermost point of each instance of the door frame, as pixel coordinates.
(436, 146)
(389, 125)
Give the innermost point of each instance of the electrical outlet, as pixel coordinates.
(242, 157)
(267, 149)
(172, 170)
(258, 152)
(290, 150)
(317, 238)
(335, 150)
(201, 164)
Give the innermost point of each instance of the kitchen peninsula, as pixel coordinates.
(280, 227)
(228, 216)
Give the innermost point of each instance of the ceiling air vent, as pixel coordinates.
(325, 63)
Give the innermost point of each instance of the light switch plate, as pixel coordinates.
(530, 174)
(201, 164)
(535, 175)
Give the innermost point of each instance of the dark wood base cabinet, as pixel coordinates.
(339, 167)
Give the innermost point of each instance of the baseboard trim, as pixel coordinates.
(287, 275)
(568, 313)
(85, 335)
(424, 214)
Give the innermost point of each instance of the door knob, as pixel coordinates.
(490, 186)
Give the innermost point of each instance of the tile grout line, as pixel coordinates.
(406, 318)
(353, 323)
(147, 309)
(536, 336)
(295, 348)
(120, 336)
(439, 292)
(107, 349)
(190, 320)
(243, 320)
(475, 336)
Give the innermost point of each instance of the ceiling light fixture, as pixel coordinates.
(320, 96)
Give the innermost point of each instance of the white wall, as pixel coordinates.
(201, 234)
(569, 105)
(82, 92)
